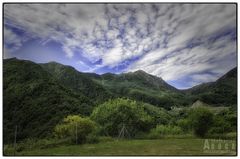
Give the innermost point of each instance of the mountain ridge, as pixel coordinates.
(134, 72)
(29, 90)
(45, 93)
(139, 85)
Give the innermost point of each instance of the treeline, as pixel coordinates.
(125, 118)
(37, 96)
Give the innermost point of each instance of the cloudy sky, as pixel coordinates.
(185, 44)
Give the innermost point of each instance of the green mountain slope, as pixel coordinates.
(221, 92)
(78, 82)
(34, 101)
(135, 85)
(37, 96)
(142, 87)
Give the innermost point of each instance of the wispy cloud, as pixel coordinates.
(172, 41)
(12, 40)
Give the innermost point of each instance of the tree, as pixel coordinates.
(75, 127)
(116, 114)
(224, 121)
(184, 124)
(201, 120)
(159, 115)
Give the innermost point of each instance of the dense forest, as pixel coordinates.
(44, 98)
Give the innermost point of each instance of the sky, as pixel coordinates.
(184, 44)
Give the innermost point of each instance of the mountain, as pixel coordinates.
(42, 94)
(144, 79)
(221, 92)
(35, 101)
(37, 96)
(78, 82)
(142, 86)
(137, 85)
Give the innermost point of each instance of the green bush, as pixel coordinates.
(219, 126)
(223, 122)
(168, 130)
(159, 115)
(152, 135)
(75, 127)
(177, 113)
(118, 114)
(92, 138)
(163, 131)
(201, 120)
(184, 124)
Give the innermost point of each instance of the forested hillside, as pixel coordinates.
(35, 101)
(37, 96)
(221, 92)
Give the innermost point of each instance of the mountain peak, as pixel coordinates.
(140, 71)
(53, 62)
(230, 74)
(55, 65)
(12, 58)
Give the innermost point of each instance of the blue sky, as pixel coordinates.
(185, 44)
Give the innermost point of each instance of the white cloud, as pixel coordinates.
(203, 78)
(107, 32)
(12, 42)
(188, 62)
(113, 57)
(68, 51)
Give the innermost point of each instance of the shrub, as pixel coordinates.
(153, 135)
(220, 125)
(92, 138)
(201, 120)
(162, 131)
(117, 114)
(184, 124)
(75, 127)
(168, 130)
(223, 122)
(159, 115)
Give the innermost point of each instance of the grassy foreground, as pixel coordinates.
(134, 147)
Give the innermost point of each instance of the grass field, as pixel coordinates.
(135, 147)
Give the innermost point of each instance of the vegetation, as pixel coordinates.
(168, 146)
(119, 114)
(184, 124)
(35, 102)
(75, 127)
(224, 122)
(54, 106)
(221, 92)
(201, 120)
(158, 115)
(168, 130)
(78, 82)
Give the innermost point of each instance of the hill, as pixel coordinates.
(78, 82)
(35, 101)
(137, 85)
(37, 96)
(144, 87)
(221, 92)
